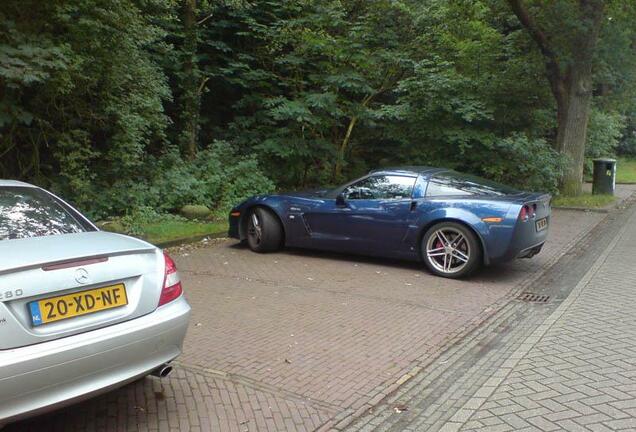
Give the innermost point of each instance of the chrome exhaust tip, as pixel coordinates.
(162, 371)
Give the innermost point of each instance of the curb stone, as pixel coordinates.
(190, 240)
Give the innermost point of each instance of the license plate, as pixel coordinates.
(542, 224)
(77, 304)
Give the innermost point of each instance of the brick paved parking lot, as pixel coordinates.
(565, 362)
(303, 341)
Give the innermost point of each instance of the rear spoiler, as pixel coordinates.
(531, 197)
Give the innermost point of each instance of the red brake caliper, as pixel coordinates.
(438, 244)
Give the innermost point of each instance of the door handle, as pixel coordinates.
(413, 205)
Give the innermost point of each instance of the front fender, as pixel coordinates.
(274, 203)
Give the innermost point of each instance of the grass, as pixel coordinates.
(174, 230)
(626, 170)
(587, 200)
(165, 231)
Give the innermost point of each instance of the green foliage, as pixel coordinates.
(171, 231)
(85, 91)
(627, 145)
(529, 164)
(587, 200)
(299, 73)
(129, 107)
(626, 170)
(217, 178)
(604, 134)
(160, 227)
(134, 222)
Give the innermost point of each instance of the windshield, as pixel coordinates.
(31, 212)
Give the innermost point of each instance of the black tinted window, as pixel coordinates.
(381, 187)
(457, 184)
(29, 212)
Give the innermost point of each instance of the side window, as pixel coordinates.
(419, 191)
(446, 186)
(381, 187)
(456, 184)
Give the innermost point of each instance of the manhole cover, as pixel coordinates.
(530, 297)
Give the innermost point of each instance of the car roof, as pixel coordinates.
(408, 170)
(14, 183)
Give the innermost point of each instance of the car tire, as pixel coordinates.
(264, 231)
(455, 253)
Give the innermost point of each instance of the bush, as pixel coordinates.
(604, 133)
(519, 161)
(134, 221)
(627, 147)
(217, 179)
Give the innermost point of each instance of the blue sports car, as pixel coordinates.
(453, 222)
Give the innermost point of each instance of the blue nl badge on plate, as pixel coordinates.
(36, 316)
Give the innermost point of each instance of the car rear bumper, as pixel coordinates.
(49, 375)
(531, 251)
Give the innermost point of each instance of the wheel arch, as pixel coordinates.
(248, 210)
(428, 225)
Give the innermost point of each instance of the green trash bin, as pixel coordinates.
(604, 181)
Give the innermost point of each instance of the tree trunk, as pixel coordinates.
(572, 129)
(190, 84)
(572, 90)
(343, 147)
(342, 151)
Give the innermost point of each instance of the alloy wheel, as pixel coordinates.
(255, 229)
(448, 250)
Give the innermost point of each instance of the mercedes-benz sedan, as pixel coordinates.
(81, 311)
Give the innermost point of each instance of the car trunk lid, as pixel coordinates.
(40, 268)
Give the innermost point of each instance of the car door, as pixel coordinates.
(373, 217)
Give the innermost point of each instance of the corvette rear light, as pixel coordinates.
(172, 288)
(525, 213)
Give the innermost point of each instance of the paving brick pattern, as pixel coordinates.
(565, 365)
(305, 341)
(581, 375)
(186, 401)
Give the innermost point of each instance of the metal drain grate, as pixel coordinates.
(530, 297)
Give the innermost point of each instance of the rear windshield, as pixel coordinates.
(30, 212)
(451, 183)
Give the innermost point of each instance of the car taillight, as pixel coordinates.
(525, 213)
(172, 288)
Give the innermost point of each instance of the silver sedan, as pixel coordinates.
(81, 311)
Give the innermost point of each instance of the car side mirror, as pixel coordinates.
(340, 200)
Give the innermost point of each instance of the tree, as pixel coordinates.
(191, 94)
(84, 97)
(569, 72)
(120, 104)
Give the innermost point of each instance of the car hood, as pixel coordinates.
(35, 251)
